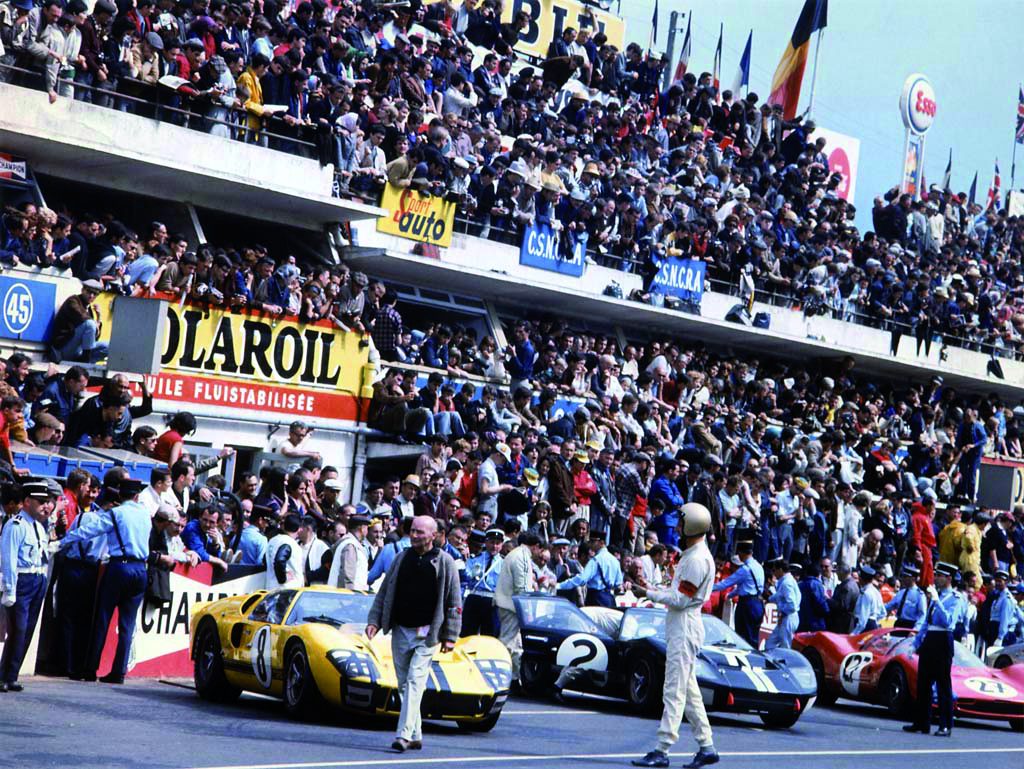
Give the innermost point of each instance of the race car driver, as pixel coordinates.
(684, 634)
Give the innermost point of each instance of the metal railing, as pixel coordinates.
(156, 102)
(154, 105)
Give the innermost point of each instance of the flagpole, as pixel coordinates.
(814, 71)
(1013, 165)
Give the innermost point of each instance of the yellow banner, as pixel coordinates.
(414, 215)
(255, 361)
(548, 18)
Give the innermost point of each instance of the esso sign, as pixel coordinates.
(917, 104)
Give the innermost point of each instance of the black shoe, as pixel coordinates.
(415, 745)
(944, 732)
(401, 745)
(89, 677)
(12, 687)
(916, 728)
(3, 687)
(654, 758)
(703, 757)
(111, 678)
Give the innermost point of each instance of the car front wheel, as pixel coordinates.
(301, 695)
(208, 668)
(644, 681)
(895, 691)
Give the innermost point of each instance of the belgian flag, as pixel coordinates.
(790, 72)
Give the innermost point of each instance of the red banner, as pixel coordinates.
(160, 648)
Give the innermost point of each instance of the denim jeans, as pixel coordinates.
(83, 345)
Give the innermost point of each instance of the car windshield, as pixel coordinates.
(717, 633)
(648, 623)
(962, 656)
(555, 613)
(642, 623)
(333, 608)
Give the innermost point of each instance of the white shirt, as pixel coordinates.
(652, 572)
(295, 576)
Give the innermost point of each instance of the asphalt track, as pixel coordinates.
(58, 723)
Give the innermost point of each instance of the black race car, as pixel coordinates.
(622, 654)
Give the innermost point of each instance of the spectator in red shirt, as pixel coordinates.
(76, 489)
(924, 537)
(12, 410)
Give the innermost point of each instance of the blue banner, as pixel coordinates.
(681, 278)
(544, 249)
(27, 308)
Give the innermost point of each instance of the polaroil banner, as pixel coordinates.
(256, 362)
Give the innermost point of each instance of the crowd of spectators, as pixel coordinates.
(435, 97)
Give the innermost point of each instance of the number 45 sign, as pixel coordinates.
(26, 309)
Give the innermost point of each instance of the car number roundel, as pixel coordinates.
(850, 670)
(990, 687)
(583, 651)
(260, 654)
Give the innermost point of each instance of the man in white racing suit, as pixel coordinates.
(684, 635)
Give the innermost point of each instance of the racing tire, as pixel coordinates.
(644, 681)
(535, 677)
(1002, 661)
(895, 691)
(779, 720)
(825, 697)
(1017, 725)
(302, 697)
(480, 726)
(208, 667)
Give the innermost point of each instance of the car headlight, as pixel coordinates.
(353, 664)
(804, 674)
(497, 673)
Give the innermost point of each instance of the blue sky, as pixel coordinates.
(869, 48)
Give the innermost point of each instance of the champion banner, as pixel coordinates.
(681, 278)
(544, 249)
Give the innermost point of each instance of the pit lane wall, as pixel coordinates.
(160, 647)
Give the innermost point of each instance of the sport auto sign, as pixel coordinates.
(917, 104)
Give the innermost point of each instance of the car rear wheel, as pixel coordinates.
(1002, 661)
(825, 697)
(480, 726)
(301, 695)
(779, 720)
(895, 691)
(644, 681)
(208, 668)
(1017, 725)
(535, 676)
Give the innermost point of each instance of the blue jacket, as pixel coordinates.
(520, 365)
(813, 604)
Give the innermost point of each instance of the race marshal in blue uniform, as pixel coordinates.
(23, 564)
(787, 598)
(748, 579)
(482, 572)
(602, 574)
(126, 528)
(909, 603)
(933, 645)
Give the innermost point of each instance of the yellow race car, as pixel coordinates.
(308, 647)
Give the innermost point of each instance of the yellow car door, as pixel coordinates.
(257, 653)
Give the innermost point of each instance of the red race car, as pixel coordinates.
(879, 666)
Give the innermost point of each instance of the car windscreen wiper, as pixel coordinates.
(324, 618)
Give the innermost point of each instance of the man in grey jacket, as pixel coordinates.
(420, 604)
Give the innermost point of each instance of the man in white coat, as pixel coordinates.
(516, 578)
(684, 634)
(351, 563)
(285, 557)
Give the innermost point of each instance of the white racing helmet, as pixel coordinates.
(696, 519)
